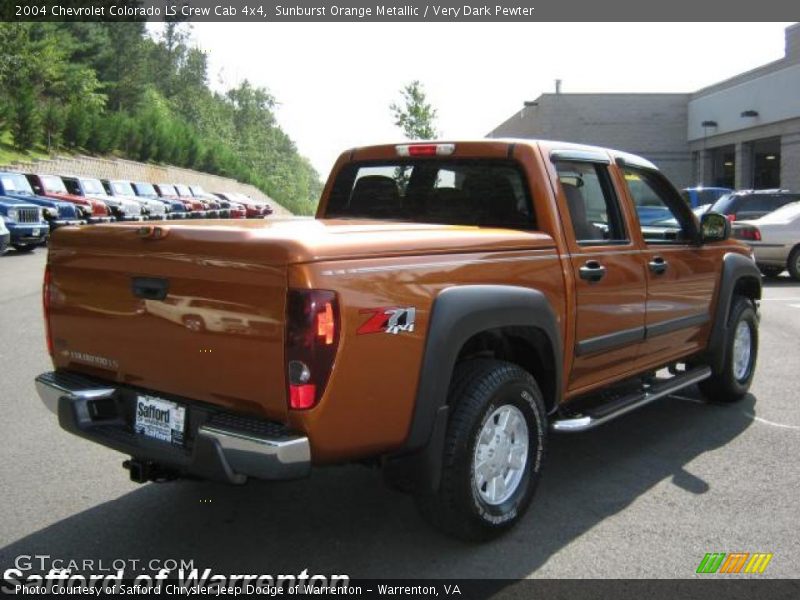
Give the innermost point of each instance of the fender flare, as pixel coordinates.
(458, 313)
(735, 269)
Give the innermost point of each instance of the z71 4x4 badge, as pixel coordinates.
(388, 319)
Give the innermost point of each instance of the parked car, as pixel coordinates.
(254, 209)
(775, 240)
(5, 236)
(700, 196)
(227, 209)
(194, 208)
(439, 325)
(122, 209)
(25, 224)
(57, 212)
(91, 210)
(174, 207)
(211, 206)
(752, 204)
(151, 209)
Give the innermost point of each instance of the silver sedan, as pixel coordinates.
(775, 240)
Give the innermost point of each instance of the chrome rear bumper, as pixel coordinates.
(222, 446)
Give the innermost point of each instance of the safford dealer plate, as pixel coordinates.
(160, 419)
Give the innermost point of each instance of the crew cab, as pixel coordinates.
(122, 209)
(451, 306)
(26, 226)
(57, 213)
(152, 209)
(91, 210)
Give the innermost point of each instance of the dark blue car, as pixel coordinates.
(55, 212)
(24, 222)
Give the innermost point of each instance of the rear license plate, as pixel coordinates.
(160, 419)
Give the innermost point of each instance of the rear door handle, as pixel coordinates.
(658, 265)
(592, 271)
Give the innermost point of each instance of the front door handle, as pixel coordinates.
(592, 271)
(658, 265)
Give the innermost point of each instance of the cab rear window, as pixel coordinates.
(454, 192)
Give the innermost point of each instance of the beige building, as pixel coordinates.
(743, 132)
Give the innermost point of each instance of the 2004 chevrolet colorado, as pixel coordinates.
(450, 305)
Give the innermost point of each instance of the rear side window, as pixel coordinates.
(765, 203)
(455, 192)
(592, 203)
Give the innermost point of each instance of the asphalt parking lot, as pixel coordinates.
(644, 496)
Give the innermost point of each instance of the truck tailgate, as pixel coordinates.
(197, 313)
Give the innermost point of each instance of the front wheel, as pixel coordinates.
(741, 351)
(794, 264)
(23, 247)
(494, 449)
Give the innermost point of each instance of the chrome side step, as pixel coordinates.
(626, 404)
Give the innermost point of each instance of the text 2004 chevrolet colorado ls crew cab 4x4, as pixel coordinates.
(449, 306)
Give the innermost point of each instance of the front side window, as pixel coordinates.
(485, 193)
(663, 215)
(592, 203)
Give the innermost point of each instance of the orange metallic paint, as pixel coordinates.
(219, 335)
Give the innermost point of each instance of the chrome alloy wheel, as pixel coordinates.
(742, 350)
(501, 454)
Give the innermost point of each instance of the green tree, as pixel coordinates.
(414, 115)
(27, 121)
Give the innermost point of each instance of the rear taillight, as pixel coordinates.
(46, 298)
(312, 337)
(749, 233)
(732, 217)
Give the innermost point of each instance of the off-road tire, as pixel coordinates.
(478, 389)
(725, 386)
(794, 264)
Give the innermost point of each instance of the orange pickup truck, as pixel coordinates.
(451, 305)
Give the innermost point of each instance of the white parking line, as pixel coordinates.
(772, 423)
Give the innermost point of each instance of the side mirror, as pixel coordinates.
(714, 227)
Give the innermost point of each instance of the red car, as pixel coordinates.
(227, 209)
(194, 207)
(51, 186)
(254, 209)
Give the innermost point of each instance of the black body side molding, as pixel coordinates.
(459, 313)
(736, 269)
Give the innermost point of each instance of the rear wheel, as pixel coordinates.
(494, 449)
(741, 351)
(794, 264)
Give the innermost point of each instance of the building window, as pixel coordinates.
(723, 166)
(767, 163)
